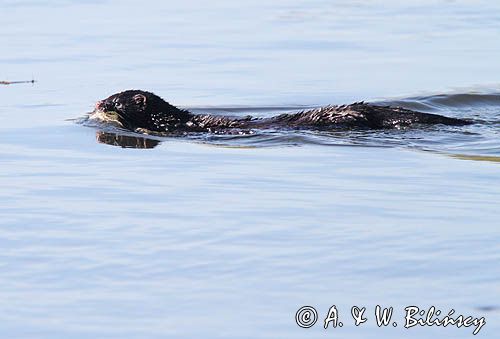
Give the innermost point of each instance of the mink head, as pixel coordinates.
(140, 109)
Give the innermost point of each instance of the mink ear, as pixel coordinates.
(140, 99)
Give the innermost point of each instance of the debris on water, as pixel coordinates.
(32, 81)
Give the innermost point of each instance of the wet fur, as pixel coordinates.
(141, 110)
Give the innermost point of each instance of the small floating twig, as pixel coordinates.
(17, 82)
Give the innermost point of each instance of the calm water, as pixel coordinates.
(228, 236)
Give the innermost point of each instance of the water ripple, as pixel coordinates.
(477, 141)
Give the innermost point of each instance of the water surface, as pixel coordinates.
(227, 236)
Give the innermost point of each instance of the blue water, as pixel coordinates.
(227, 237)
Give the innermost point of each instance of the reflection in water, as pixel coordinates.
(476, 157)
(125, 141)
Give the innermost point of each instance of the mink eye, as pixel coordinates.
(118, 104)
